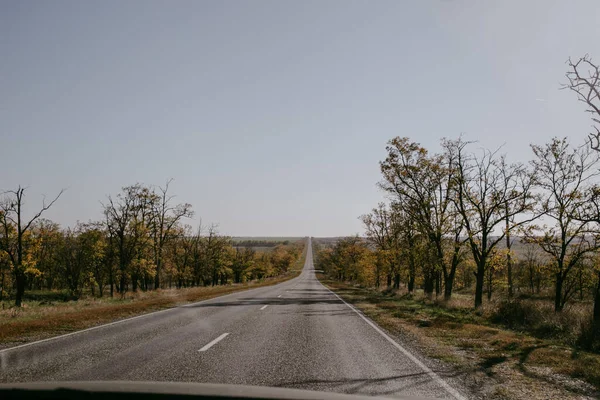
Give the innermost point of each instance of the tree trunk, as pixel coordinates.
(558, 293)
(479, 280)
(158, 269)
(448, 283)
(597, 301)
(531, 280)
(489, 283)
(428, 283)
(122, 283)
(411, 281)
(20, 278)
(2, 285)
(580, 284)
(508, 256)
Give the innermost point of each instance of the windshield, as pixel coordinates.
(376, 198)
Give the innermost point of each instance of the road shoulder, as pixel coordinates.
(498, 376)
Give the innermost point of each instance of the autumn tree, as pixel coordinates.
(423, 186)
(382, 231)
(242, 262)
(91, 238)
(217, 256)
(124, 216)
(16, 235)
(47, 257)
(166, 216)
(347, 259)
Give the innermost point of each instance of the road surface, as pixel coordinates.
(295, 334)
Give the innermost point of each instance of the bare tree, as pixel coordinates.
(564, 175)
(14, 229)
(488, 191)
(584, 79)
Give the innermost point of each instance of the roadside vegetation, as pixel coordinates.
(142, 256)
(50, 313)
(470, 243)
(46, 313)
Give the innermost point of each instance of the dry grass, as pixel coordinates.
(495, 361)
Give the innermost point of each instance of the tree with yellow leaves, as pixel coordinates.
(14, 234)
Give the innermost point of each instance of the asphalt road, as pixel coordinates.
(295, 334)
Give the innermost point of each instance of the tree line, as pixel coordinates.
(142, 243)
(468, 217)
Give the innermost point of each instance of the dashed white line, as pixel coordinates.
(265, 306)
(279, 296)
(211, 344)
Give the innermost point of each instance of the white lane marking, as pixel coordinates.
(407, 353)
(279, 296)
(265, 306)
(211, 344)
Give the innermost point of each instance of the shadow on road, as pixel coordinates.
(374, 386)
(270, 301)
(328, 312)
(322, 291)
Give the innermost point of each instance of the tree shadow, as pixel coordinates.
(327, 312)
(269, 301)
(374, 386)
(488, 363)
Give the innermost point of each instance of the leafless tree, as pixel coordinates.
(584, 79)
(488, 191)
(564, 176)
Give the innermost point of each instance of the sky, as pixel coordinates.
(271, 117)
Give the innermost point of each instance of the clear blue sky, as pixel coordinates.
(271, 116)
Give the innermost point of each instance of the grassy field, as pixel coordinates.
(46, 314)
(497, 362)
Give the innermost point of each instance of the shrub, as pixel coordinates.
(538, 317)
(589, 336)
(514, 314)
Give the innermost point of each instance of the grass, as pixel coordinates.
(489, 354)
(43, 318)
